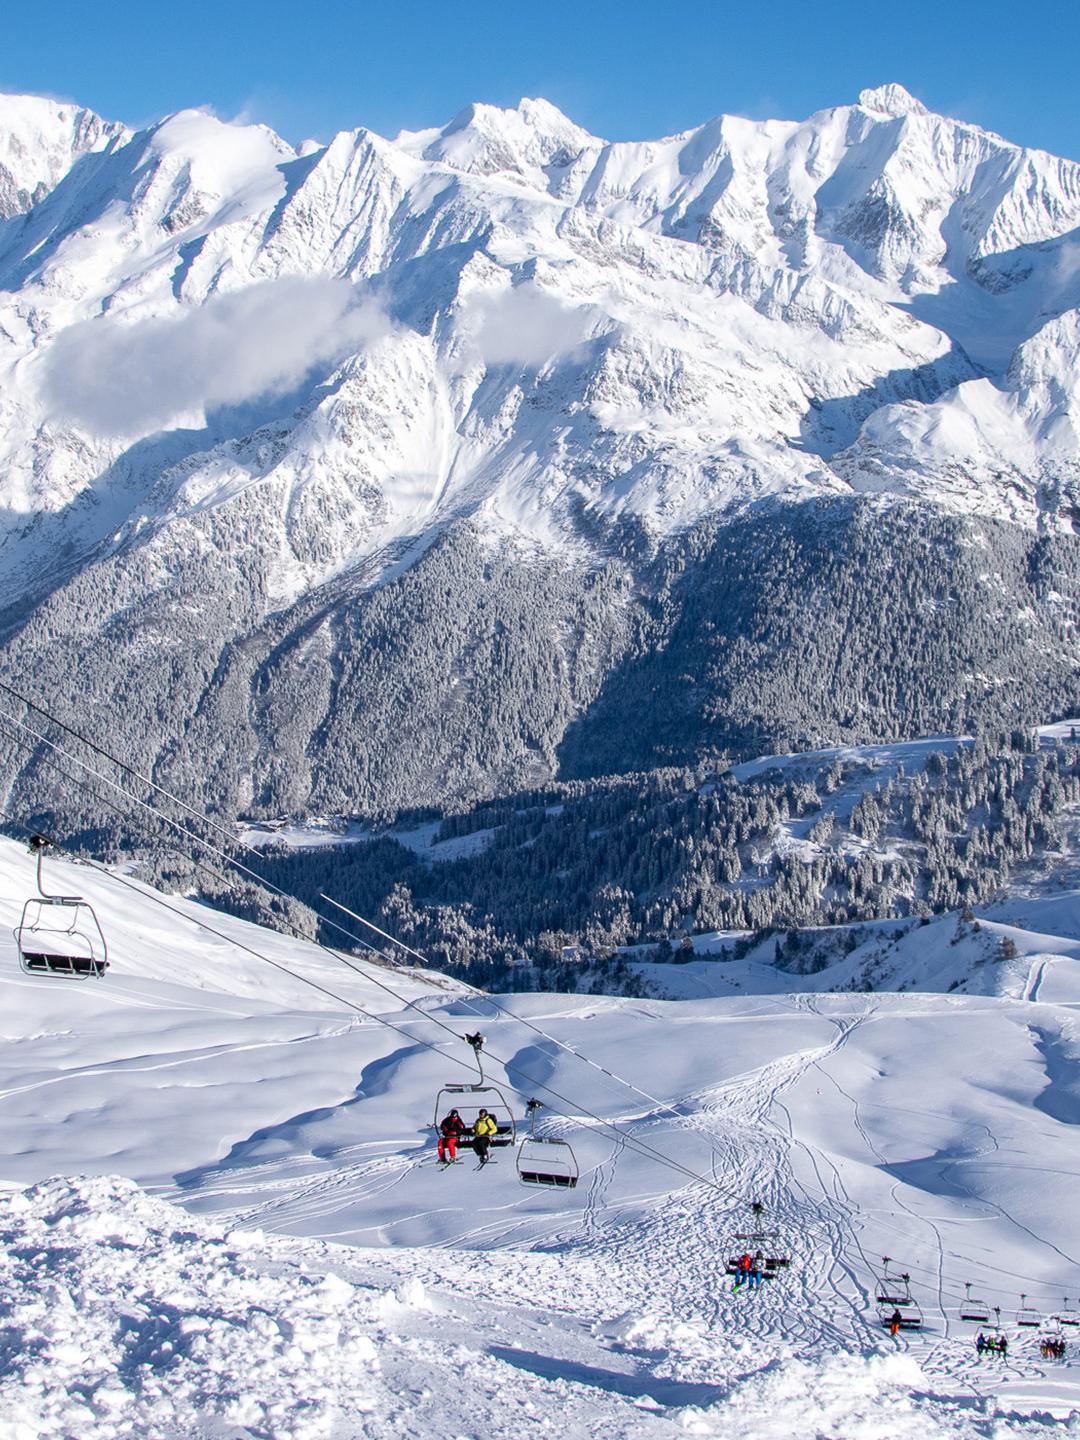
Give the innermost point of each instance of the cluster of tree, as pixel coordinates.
(478, 669)
(567, 876)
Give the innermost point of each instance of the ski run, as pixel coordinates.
(223, 1216)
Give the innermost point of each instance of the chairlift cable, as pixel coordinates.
(270, 885)
(233, 840)
(626, 1136)
(174, 823)
(520, 1019)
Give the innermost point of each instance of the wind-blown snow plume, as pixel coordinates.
(114, 377)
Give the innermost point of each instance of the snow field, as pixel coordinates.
(122, 1317)
(293, 1264)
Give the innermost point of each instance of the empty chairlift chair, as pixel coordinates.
(545, 1160)
(1026, 1317)
(1069, 1315)
(895, 1303)
(973, 1310)
(59, 935)
(469, 1100)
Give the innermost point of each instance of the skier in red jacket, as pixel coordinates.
(451, 1129)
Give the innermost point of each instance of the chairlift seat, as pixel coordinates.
(910, 1314)
(39, 962)
(547, 1161)
(59, 936)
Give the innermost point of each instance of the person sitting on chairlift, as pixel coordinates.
(895, 1321)
(756, 1273)
(745, 1261)
(484, 1131)
(451, 1129)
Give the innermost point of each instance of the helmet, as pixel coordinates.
(483, 1112)
(453, 1112)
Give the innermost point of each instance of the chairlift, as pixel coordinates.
(1069, 1315)
(1052, 1343)
(895, 1303)
(482, 1095)
(758, 1238)
(891, 1288)
(1027, 1317)
(59, 935)
(991, 1337)
(544, 1160)
(973, 1310)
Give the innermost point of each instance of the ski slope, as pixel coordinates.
(222, 1215)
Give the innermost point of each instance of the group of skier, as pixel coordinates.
(751, 1270)
(453, 1130)
(992, 1345)
(1052, 1347)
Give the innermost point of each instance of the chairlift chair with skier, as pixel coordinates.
(59, 935)
(544, 1159)
(757, 1237)
(896, 1306)
(482, 1095)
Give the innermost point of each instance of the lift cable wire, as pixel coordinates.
(627, 1137)
(327, 920)
(184, 830)
(490, 999)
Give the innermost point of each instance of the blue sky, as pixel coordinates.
(625, 71)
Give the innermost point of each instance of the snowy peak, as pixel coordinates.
(521, 144)
(660, 329)
(892, 100)
(40, 140)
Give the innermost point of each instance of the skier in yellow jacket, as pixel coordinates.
(484, 1131)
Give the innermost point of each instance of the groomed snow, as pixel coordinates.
(245, 1235)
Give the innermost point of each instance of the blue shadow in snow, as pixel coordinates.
(1061, 1098)
(637, 1387)
(375, 1079)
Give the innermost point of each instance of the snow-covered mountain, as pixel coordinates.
(319, 436)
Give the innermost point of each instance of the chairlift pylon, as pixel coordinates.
(482, 1095)
(774, 1254)
(973, 1310)
(59, 936)
(544, 1159)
